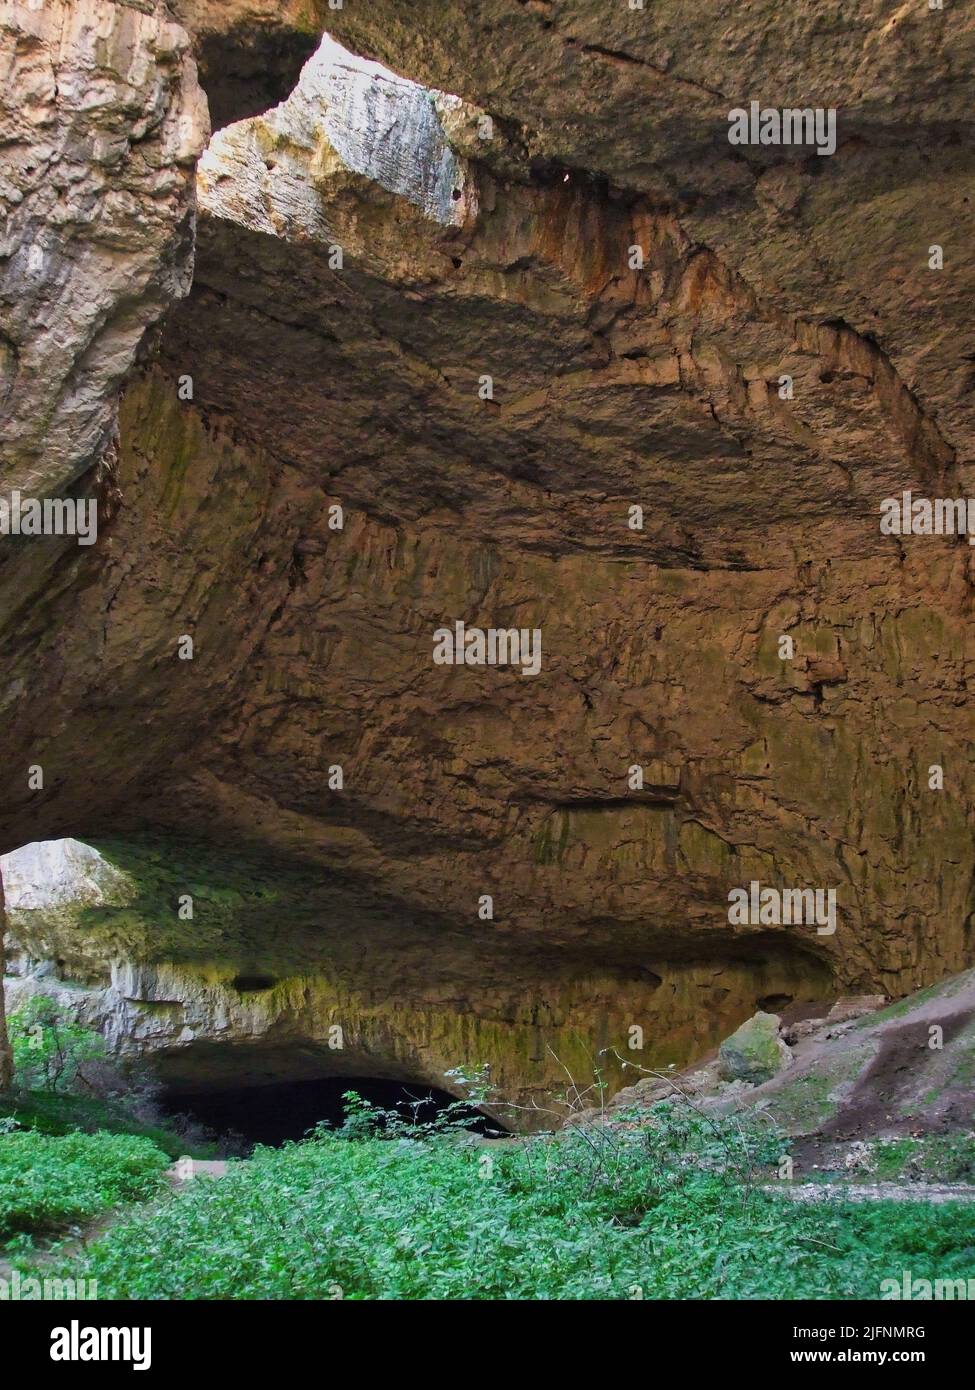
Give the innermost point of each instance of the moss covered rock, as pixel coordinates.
(755, 1052)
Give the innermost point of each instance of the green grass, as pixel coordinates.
(48, 1182)
(648, 1212)
(935, 1158)
(47, 1113)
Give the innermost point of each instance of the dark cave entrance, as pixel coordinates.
(273, 1114)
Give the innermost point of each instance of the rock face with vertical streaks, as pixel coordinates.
(101, 123)
(560, 295)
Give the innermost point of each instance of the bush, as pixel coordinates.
(49, 1047)
(66, 1114)
(47, 1183)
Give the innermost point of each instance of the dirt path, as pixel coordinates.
(902, 1073)
(183, 1171)
(188, 1168)
(872, 1192)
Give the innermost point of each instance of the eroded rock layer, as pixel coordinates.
(280, 974)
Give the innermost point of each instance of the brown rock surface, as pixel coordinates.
(613, 387)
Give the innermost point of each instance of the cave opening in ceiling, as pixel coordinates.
(286, 1110)
(348, 116)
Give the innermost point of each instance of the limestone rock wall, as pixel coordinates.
(101, 122)
(361, 385)
(280, 974)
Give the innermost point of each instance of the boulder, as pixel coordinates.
(755, 1052)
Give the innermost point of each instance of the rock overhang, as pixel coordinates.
(760, 519)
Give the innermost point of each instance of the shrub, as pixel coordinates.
(47, 1182)
(49, 1047)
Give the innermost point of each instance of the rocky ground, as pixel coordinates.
(864, 1093)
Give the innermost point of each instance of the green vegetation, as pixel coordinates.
(66, 1157)
(661, 1204)
(804, 1103)
(658, 1209)
(69, 1114)
(48, 1182)
(48, 1047)
(933, 1158)
(50, 1050)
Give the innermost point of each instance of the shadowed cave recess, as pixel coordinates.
(282, 1111)
(377, 361)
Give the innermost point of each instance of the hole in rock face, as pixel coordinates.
(274, 1114)
(774, 1003)
(253, 984)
